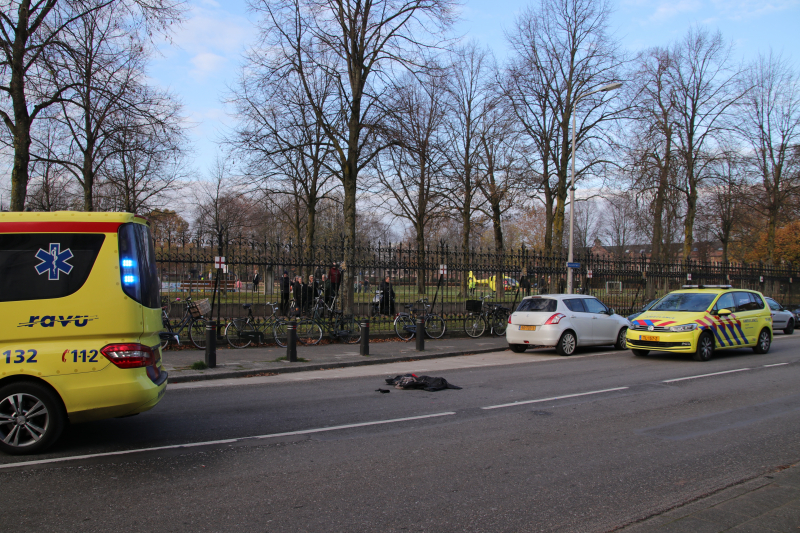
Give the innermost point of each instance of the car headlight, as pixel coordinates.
(684, 327)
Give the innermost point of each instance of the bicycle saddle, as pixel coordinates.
(247, 306)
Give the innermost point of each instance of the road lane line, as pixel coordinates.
(775, 364)
(706, 375)
(224, 441)
(553, 398)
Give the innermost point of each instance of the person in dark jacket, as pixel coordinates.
(286, 287)
(335, 275)
(387, 297)
(525, 285)
(312, 291)
(256, 279)
(297, 296)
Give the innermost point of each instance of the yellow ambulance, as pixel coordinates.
(79, 300)
(700, 319)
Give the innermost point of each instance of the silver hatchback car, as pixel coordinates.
(565, 321)
(781, 318)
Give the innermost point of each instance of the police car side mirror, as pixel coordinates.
(723, 312)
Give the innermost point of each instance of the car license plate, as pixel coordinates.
(527, 328)
(648, 338)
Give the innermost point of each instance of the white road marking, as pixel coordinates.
(554, 398)
(706, 375)
(776, 364)
(224, 441)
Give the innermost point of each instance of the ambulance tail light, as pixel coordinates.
(129, 355)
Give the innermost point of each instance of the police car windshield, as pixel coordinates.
(684, 302)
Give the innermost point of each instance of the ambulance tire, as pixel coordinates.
(40, 417)
(764, 341)
(705, 348)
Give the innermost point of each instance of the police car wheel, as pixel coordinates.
(705, 348)
(789, 327)
(763, 343)
(31, 418)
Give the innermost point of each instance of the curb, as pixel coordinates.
(323, 366)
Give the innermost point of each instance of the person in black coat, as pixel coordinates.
(297, 295)
(525, 285)
(387, 297)
(286, 287)
(312, 291)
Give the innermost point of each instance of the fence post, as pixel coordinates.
(365, 337)
(420, 332)
(211, 344)
(291, 342)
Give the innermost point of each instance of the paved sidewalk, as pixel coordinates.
(246, 362)
(766, 504)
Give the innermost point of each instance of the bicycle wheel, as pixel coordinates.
(280, 333)
(435, 326)
(308, 332)
(239, 333)
(166, 340)
(350, 331)
(474, 325)
(404, 327)
(499, 322)
(197, 332)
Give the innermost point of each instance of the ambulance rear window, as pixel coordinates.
(137, 262)
(39, 266)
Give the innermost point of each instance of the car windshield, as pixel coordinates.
(537, 304)
(684, 302)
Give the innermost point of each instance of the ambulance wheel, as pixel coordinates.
(31, 418)
(705, 348)
(764, 341)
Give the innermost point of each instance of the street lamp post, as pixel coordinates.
(606, 88)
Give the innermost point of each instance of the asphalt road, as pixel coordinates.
(587, 443)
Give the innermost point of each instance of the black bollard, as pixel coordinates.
(420, 334)
(365, 337)
(211, 344)
(291, 342)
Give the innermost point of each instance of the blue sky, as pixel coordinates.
(203, 58)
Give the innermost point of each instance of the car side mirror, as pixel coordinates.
(610, 312)
(723, 312)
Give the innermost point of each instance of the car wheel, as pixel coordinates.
(567, 343)
(705, 348)
(622, 341)
(764, 341)
(518, 348)
(640, 353)
(789, 327)
(31, 418)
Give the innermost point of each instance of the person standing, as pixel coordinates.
(256, 279)
(297, 296)
(285, 287)
(335, 275)
(525, 285)
(387, 297)
(327, 290)
(312, 291)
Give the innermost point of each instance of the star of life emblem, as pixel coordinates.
(54, 261)
(651, 328)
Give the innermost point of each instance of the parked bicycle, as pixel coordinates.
(241, 332)
(193, 319)
(481, 315)
(325, 318)
(406, 327)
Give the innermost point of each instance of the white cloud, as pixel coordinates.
(668, 10)
(205, 64)
(739, 9)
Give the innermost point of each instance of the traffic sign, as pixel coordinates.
(689, 277)
(442, 270)
(219, 261)
(573, 265)
(588, 273)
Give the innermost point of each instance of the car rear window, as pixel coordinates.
(138, 271)
(544, 305)
(689, 302)
(38, 266)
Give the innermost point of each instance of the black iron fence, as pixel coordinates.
(443, 275)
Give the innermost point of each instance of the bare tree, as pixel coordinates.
(770, 124)
(359, 47)
(620, 229)
(722, 205)
(30, 37)
(562, 51)
(412, 168)
(705, 91)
